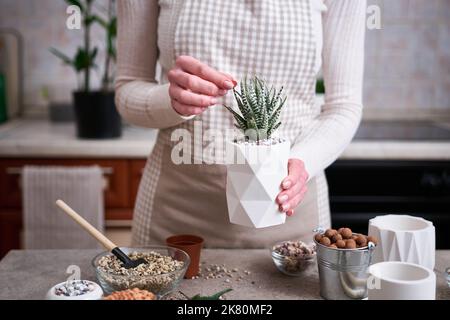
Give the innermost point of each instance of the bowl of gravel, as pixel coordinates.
(293, 257)
(161, 274)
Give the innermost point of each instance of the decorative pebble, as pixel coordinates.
(74, 288)
(296, 255)
(262, 142)
(156, 264)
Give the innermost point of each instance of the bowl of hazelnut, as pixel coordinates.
(343, 259)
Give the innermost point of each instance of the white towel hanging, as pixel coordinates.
(45, 227)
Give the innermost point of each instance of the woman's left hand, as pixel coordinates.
(294, 187)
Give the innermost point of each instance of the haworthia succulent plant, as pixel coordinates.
(260, 108)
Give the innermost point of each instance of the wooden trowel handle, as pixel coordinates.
(108, 244)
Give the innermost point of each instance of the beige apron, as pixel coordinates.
(191, 199)
(272, 39)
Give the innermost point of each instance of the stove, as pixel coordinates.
(362, 189)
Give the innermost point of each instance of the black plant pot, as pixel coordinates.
(96, 115)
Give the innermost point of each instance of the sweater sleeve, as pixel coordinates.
(139, 98)
(322, 141)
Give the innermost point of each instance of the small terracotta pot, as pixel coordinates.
(192, 245)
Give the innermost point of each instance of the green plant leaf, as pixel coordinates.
(272, 130)
(239, 119)
(62, 56)
(76, 3)
(244, 108)
(100, 21)
(83, 60)
(112, 27)
(260, 107)
(89, 20)
(215, 296)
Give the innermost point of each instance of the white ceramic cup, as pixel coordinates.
(394, 280)
(403, 238)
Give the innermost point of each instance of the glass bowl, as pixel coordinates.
(160, 284)
(292, 265)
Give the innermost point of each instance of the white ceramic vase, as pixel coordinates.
(254, 176)
(404, 238)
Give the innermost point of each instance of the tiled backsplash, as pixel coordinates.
(42, 24)
(407, 61)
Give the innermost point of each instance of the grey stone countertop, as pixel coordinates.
(38, 138)
(28, 274)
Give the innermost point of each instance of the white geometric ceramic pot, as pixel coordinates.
(404, 238)
(253, 183)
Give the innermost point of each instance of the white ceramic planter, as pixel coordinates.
(253, 183)
(395, 280)
(403, 238)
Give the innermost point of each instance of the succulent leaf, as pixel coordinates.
(260, 108)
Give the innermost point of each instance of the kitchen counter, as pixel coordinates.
(29, 274)
(42, 139)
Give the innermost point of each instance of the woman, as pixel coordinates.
(203, 48)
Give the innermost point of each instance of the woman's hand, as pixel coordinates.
(294, 187)
(194, 86)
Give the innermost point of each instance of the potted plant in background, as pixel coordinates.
(259, 161)
(95, 112)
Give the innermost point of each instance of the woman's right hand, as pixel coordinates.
(194, 86)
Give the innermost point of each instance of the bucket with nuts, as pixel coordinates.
(343, 259)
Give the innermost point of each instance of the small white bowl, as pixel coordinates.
(96, 294)
(395, 280)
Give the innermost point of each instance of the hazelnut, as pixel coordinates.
(340, 244)
(336, 237)
(325, 241)
(361, 240)
(317, 237)
(350, 244)
(333, 246)
(340, 230)
(372, 239)
(330, 232)
(346, 233)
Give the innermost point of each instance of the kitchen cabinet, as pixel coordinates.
(122, 178)
(362, 189)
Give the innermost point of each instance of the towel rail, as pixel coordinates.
(107, 171)
(18, 171)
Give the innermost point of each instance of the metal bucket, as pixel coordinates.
(343, 273)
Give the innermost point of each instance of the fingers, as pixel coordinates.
(186, 110)
(288, 194)
(194, 86)
(297, 173)
(190, 98)
(293, 187)
(203, 71)
(291, 204)
(194, 83)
